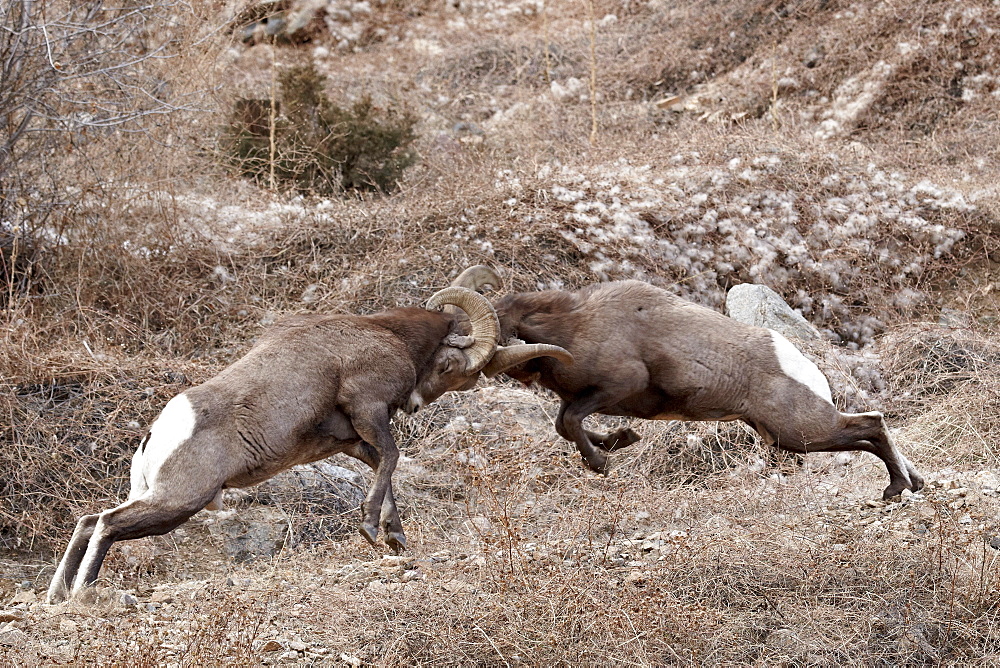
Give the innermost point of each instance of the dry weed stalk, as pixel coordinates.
(592, 35)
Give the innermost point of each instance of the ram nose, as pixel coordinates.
(413, 403)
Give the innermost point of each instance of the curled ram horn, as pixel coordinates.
(482, 318)
(506, 357)
(478, 278)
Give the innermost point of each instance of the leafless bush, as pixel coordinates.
(73, 76)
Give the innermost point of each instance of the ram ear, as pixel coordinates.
(459, 341)
(510, 356)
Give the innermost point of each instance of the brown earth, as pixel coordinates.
(844, 154)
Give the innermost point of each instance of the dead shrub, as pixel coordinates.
(924, 362)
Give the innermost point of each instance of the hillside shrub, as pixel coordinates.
(319, 146)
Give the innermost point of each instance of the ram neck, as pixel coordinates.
(537, 317)
(421, 330)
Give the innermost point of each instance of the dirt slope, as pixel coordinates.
(843, 153)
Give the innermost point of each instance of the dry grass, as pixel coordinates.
(534, 563)
(160, 269)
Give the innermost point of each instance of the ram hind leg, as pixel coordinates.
(865, 432)
(70, 563)
(875, 433)
(137, 518)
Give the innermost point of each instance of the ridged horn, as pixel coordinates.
(474, 278)
(507, 356)
(482, 317)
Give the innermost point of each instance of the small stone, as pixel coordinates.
(635, 577)
(24, 596)
(995, 542)
(162, 596)
(230, 583)
(271, 646)
(129, 601)
(12, 615)
(350, 660)
(298, 646)
(149, 607)
(391, 560)
(12, 637)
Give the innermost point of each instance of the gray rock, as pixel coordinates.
(251, 533)
(761, 306)
(11, 637)
(129, 601)
(995, 542)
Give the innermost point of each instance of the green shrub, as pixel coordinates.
(319, 146)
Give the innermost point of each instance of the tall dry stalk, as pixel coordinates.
(593, 71)
(272, 113)
(774, 88)
(545, 40)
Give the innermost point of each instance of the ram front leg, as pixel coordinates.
(389, 517)
(373, 427)
(569, 425)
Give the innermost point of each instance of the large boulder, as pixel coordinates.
(761, 306)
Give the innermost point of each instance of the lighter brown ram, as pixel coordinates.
(312, 386)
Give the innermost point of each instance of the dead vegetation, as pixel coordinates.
(134, 266)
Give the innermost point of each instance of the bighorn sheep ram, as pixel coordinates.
(312, 386)
(642, 352)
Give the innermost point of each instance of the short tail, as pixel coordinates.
(137, 477)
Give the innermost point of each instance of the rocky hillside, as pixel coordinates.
(844, 154)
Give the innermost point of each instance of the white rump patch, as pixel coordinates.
(174, 426)
(797, 367)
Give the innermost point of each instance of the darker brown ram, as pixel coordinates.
(642, 352)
